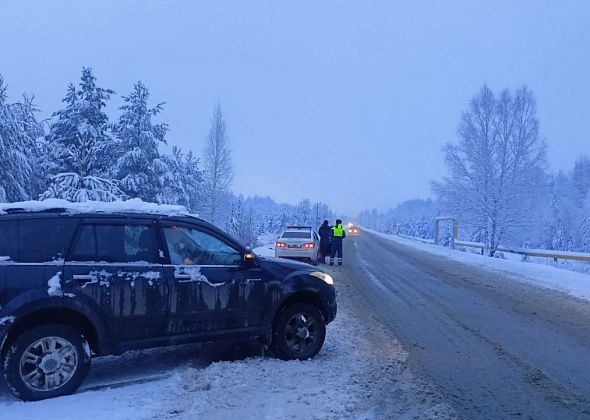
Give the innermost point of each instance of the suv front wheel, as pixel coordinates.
(299, 332)
(45, 362)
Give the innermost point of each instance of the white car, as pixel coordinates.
(298, 243)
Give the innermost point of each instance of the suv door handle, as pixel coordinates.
(83, 278)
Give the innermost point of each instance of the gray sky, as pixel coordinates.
(344, 102)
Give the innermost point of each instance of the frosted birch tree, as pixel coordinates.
(218, 165)
(494, 167)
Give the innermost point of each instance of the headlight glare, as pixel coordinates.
(324, 277)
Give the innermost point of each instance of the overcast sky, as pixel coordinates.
(344, 102)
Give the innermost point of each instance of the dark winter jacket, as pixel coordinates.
(324, 233)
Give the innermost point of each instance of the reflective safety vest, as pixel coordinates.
(337, 231)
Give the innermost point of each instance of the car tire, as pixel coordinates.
(45, 362)
(299, 332)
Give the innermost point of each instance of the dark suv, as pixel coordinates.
(75, 284)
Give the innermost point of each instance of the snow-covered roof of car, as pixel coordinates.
(134, 205)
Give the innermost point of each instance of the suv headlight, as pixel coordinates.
(323, 276)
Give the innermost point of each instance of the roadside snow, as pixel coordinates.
(265, 250)
(570, 282)
(54, 284)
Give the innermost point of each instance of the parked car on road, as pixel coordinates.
(298, 243)
(352, 230)
(78, 282)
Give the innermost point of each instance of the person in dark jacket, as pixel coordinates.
(324, 232)
(337, 234)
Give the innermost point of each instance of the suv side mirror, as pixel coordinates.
(248, 257)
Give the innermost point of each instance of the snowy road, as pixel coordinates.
(492, 346)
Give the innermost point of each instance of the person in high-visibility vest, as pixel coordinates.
(337, 234)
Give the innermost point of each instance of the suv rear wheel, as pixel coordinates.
(299, 332)
(45, 362)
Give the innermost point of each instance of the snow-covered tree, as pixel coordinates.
(19, 133)
(495, 165)
(218, 165)
(241, 224)
(140, 170)
(584, 232)
(185, 186)
(80, 146)
(321, 212)
(73, 187)
(303, 215)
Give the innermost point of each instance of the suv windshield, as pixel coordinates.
(193, 247)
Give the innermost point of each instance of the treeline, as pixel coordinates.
(498, 186)
(80, 154)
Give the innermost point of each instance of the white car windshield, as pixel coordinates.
(297, 234)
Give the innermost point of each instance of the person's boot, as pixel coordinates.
(331, 261)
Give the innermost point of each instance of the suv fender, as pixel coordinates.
(56, 310)
(300, 287)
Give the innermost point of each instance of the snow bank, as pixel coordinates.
(570, 282)
(265, 250)
(129, 206)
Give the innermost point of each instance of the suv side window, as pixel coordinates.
(45, 239)
(188, 246)
(8, 240)
(115, 243)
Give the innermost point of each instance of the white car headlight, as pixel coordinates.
(323, 276)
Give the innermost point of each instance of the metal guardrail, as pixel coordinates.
(541, 253)
(425, 241)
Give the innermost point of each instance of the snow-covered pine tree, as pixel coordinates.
(558, 235)
(19, 132)
(140, 170)
(184, 182)
(80, 146)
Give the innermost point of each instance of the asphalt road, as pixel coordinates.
(491, 346)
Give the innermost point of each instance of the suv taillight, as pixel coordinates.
(309, 245)
(281, 244)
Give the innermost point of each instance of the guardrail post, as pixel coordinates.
(455, 233)
(436, 233)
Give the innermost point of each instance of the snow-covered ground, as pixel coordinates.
(265, 250)
(570, 282)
